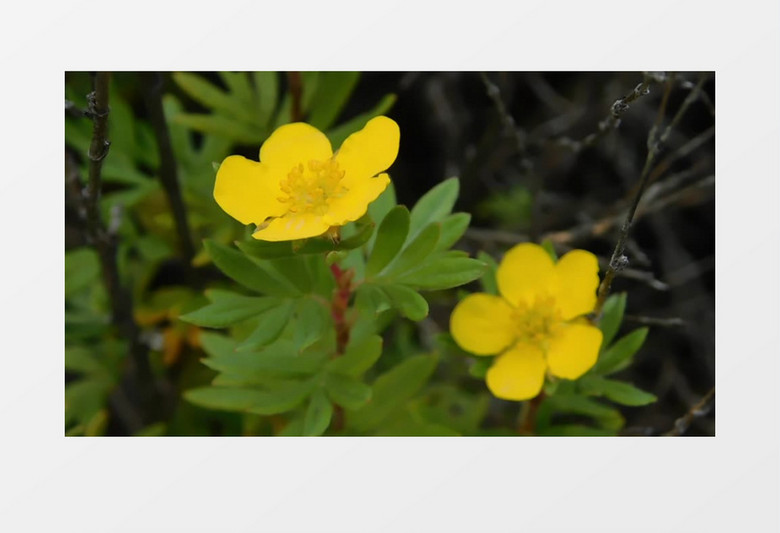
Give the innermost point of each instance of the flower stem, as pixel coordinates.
(528, 415)
(339, 305)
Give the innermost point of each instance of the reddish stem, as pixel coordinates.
(340, 304)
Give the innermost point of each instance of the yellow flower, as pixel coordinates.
(534, 324)
(300, 188)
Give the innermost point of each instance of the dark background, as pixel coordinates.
(451, 127)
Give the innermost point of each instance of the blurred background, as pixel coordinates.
(540, 156)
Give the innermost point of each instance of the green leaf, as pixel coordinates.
(229, 308)
(221, 126)
(82, 268)
(261, 402)
(344, 130)
(434, 205)
(266, 96)
(358, 357)
(80, 359)
(312, 319)
(332, 94)
(488, 281)
(379, 208)
(278, 359)
(607, 417)
(238, 85)
(269, 327)
(346, 391)
(318, 415)
(294, 269)
(216, 344)
(452, 229)
(443, 273)
(371, 300)
(390, 238)
(210, 96)
(246, 272)
(392, 390)
(611, 317)
(618, 356)
(415, 252)
(617, 391)
(408, 301)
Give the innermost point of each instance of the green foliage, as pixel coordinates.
(283, 353)
(249, 107)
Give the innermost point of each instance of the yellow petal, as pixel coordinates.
(354, 203)
(525, 272)
(246, 191)
(482, 324)
(292, 144)
(517, 374)
(578, 278)
(573, 350)
(368, 152)
(292, 226)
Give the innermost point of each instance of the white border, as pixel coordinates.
(725, 483)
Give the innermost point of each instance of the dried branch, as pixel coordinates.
(168, 172)
(296, 92)
(655, 321)
(133, 402)
(703, 407)
(609, 123)
(619, 261)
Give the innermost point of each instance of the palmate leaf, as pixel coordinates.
(251, 400)
(248, 273)
(359, 356)
(280, 359)
(391, 391)
(234, 116)
(604, 417)
(346, 391)
(228, 308)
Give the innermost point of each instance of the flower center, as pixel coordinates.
(310, 189)
(537, 322)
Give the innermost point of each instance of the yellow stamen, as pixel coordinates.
(538, 322)
(311, 189)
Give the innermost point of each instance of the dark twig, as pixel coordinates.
(655, 202)
(168, 172)
(494, 94)
(654, 321)
(703, 407)
(611, 122)
(619, 261)
(136, 394)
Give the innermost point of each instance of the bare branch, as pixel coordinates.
(619, 261)
(703, 407)
(168, 172)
